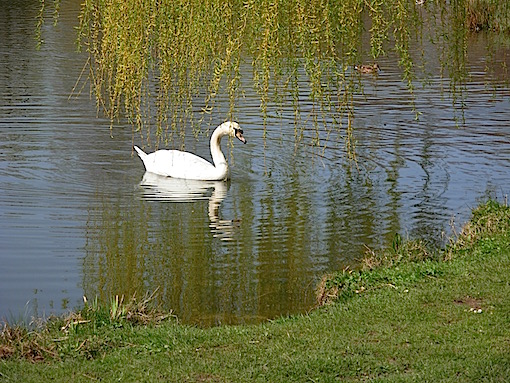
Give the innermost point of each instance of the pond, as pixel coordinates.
(78, 216)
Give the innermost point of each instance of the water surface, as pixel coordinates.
(78, 216)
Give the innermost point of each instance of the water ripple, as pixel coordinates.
(78, 216)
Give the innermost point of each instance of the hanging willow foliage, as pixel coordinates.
(162, 63)
(179, 54)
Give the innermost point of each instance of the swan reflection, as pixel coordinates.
(168, 189)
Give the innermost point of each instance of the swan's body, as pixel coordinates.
(179, 164)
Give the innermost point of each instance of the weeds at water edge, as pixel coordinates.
(76, 333)
(386, 268)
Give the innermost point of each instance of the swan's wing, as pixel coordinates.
(177, 164)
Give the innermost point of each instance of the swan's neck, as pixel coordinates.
(216, 153)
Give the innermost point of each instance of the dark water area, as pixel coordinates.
(78, 216)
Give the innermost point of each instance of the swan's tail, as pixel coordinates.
(140, 152)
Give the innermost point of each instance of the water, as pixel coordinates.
(78, 216)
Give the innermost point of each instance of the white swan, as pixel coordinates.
(179, 164)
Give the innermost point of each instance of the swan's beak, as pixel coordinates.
(239, 135)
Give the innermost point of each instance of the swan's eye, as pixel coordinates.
(240, 131)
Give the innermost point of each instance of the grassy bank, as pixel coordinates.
(411, 315)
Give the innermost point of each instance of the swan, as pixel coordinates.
(179, 164)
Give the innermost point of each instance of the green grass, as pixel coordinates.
(440, 317)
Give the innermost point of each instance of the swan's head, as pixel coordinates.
(234, 130)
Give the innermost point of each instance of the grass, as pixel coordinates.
(432, 316)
